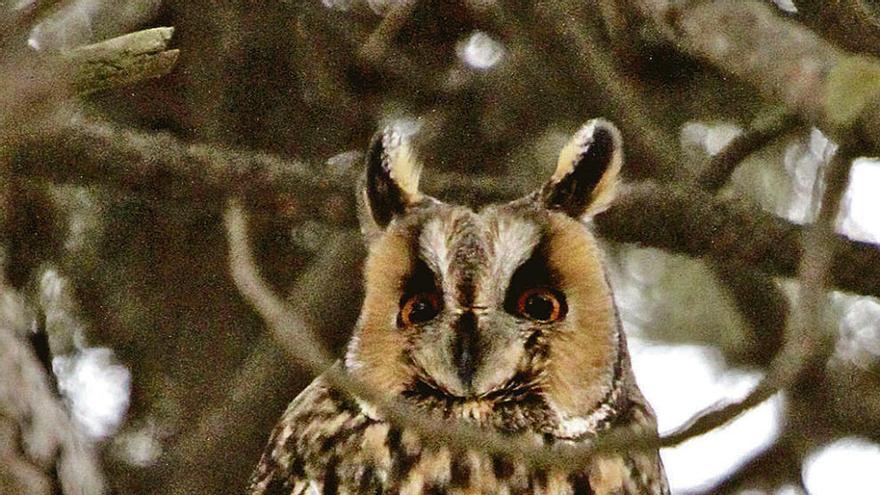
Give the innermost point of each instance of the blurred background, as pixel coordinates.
(171, 383)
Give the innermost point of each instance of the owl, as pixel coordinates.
(500, 317)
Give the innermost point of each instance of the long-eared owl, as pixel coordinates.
(501, 317)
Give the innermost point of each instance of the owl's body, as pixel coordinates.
(501, 318)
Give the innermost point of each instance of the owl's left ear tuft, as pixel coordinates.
(586, 176)
(392, 177)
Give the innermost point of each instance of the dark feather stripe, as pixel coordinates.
(580, 484)
(574, 192)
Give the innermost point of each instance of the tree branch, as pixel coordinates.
(33, 87)
(121, 61)
(722, 165)
(763, 306)
(37, 436)
(267, 377)
(837, 91)
(688, 221)
(679, 219)
(777, 465)
(804, 346)
(853, 24)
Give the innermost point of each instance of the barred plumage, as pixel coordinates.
(502, 318)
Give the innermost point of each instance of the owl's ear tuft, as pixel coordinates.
(392, 178)
(587, 172)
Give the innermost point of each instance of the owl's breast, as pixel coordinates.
(327, 444)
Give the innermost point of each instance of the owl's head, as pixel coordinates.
(476, 308)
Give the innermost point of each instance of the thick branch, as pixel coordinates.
(121, 61)
(160, 166)
(675, 218)
(852, 24)
(835, 90)
(688, 221)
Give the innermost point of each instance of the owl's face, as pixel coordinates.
(468, 310)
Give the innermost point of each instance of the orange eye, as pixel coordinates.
(541, 304)
(420, 308)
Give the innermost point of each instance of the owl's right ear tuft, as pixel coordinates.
(392, 179)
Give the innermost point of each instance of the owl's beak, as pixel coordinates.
(466, 349)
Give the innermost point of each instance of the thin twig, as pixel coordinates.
(756, 295)
(382, 38)
(301, 345)
(777, 462)
(289, 328)
(722, 165)
(266, 376)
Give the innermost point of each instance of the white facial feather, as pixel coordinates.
(512, 242)
(434, 245)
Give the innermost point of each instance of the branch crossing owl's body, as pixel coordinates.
(502, 318)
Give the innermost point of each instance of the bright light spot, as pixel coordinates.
(821, 147)
(859, 341)
(803, 163)
(786, 5)
(789, 490)
(97, 387)
(682, 380)
(140, 447)
(862, 219)
(66, 28)
(709, 138)
(859, 219)
(846, 466)
(480, 51)
(341, 5)
(406, 127)
(379, 6)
